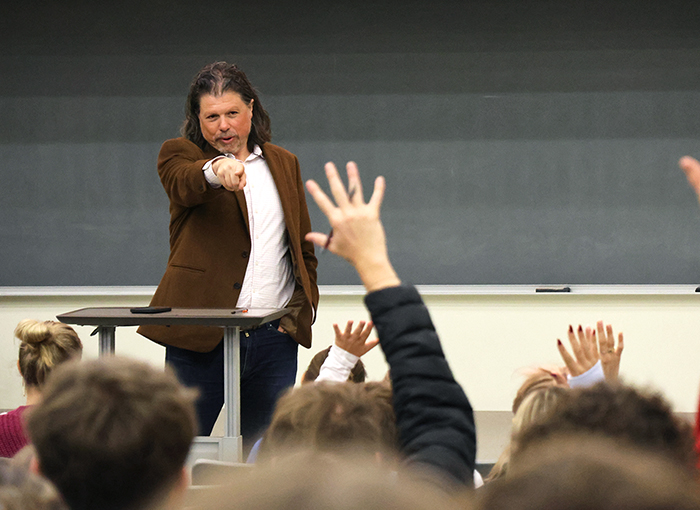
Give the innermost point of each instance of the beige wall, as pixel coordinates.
(487, 337)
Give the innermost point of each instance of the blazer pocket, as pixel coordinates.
(189, 269)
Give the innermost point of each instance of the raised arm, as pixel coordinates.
(691, 167)
(433, 415)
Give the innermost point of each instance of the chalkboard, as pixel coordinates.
(522, 142)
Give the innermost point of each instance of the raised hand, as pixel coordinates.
(358, 233)
(609, 353)
(355, 341)
(584, 348)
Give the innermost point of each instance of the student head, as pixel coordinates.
(537, 379)
(113, 433)
(21, 489)
(586, 472)
(313, 481)
(626, 414)
(357, 374)
(534, 407)
(43, 345)
(333, 417)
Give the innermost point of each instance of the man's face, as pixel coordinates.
(225, 122)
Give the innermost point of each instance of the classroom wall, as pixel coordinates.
(487, 339)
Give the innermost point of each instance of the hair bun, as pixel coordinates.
(33, 332)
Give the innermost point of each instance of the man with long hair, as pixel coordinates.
(238, 218)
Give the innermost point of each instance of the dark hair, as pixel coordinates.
(358, 373)
(585, 472)
(216, 79)
(112, 433)
(624, 413)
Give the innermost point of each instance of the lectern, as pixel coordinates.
(230, 447)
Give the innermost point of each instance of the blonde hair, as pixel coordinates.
(535, 406)
(43, 346)
(540, 378)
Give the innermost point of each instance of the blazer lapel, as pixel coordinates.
(280, 177)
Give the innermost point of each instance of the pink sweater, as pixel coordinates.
(12, 435)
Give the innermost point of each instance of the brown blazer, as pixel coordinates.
(210, 244)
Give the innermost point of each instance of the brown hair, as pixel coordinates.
(43, 346)
(357, 374)
(21, 489)
(333, 417)
(585, 472)
(112, 433)
(313, 481)
(216, 79)
(639, 418)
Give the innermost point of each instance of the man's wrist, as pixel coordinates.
(210, 174)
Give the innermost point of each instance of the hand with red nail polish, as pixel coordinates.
(584, 348)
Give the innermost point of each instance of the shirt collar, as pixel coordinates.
(257, 153)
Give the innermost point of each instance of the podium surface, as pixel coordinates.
(107, 319)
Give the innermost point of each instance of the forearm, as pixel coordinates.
(180, 167)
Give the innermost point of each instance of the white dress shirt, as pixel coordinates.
(269, 277)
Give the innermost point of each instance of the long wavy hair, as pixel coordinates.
(216, 79)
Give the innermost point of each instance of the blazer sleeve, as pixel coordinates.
(180, 164)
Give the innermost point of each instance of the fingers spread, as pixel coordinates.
(324, 203)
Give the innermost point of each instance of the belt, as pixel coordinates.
(275, 323)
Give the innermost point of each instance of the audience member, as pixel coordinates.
(584, 367)
(595, 357)
(584, 472)
(433, 415)
(358, 374)
(43, 345)
(535, 406)
(333, 417)
(114, 434)
(691, 167)
(341, 361)
(310, 481)
(21, 489)
(623, 413)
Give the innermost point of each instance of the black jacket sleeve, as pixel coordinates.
(434, 416)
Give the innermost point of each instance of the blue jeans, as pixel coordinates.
(268, 367)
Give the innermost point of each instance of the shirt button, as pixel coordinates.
(244, 254)
(237, 286)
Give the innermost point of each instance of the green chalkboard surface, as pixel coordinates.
(522, 142)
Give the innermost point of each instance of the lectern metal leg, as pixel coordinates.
(106, 340)
(232, 441)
